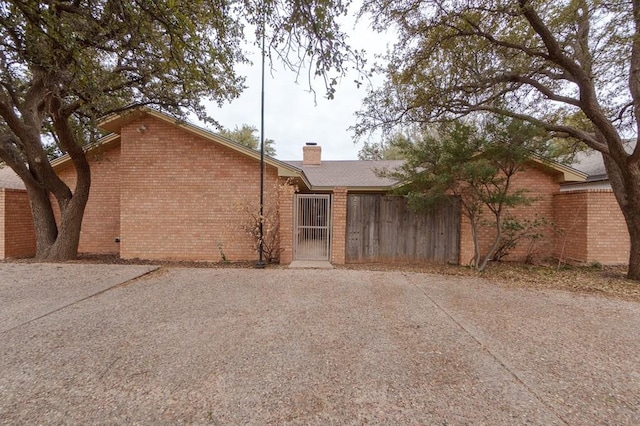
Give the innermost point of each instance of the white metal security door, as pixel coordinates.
(312, 220)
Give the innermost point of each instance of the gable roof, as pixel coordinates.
(356, 175)
(114, 123)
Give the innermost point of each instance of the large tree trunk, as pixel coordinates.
(57, 240)
(625, 182)
(43, 220)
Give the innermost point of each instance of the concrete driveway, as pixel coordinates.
(230, 346)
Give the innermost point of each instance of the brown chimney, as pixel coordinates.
(311, 154)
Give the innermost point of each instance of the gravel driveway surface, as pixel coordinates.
(277, 346)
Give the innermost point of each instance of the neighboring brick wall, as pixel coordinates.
(608, 237)
(16, 225)
(286, 194)
(593, 227)
(339, 226)
(571, 217)
(182, 195)
(101, 221)
(466, 241)
(540, 186)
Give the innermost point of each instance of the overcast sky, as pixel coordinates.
(291, 116)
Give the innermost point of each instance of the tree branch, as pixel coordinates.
(586, 137)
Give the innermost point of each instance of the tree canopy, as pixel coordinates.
(474, 163)
(571, 67)
(64, 64)
(246, 135)
(386, 149)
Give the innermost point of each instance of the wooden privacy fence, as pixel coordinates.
(383, 228)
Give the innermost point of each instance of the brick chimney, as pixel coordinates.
(311, 154)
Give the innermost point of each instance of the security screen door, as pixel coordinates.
(312, 220)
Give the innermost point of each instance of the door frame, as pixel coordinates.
(312, 222)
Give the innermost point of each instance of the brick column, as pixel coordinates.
(466, 241)
(286, 193)
(339, 225)
(17, 235)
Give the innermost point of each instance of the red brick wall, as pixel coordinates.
(540, 186)
(593, 227)
(286, 194)
(16, 225)
(339, 226)
(101, 221)
(182, 196)
(466, 241)
(608, 238)
(571, 217)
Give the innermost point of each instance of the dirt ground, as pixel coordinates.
(140, 344)
(594, 279)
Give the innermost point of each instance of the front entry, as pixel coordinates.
(312, 224)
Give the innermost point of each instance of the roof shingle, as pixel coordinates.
(348, 173)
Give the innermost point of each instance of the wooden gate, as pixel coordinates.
(383, 228)
(312, 220)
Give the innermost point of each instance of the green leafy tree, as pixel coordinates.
(570, 67)
(64, 64)
(384, 150)
(246, 135)
(475, 166)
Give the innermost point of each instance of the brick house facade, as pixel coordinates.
(163, 189)
(17, 236)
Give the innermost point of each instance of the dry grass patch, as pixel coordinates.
(604, 280)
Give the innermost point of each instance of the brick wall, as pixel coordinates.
(16, 225)
(101, 221)
(571, 217)
(182, 196)
(593, 227)
(540, 186)
(286, 194)
(339, 226)
(466, 241)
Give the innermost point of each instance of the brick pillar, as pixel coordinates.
(286, 193)
(339, 226)
(466, 241)
(18, 235)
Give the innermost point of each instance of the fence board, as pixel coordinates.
(383, 228)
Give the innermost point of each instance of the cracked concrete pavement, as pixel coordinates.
(95, 344)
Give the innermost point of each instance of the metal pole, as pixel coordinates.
(261, 263)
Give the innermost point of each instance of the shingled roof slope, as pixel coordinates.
(9, 179)
(591, 163)
(348, 173)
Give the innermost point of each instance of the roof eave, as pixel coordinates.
(101, 143)
(563, 172)
(351, 188)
